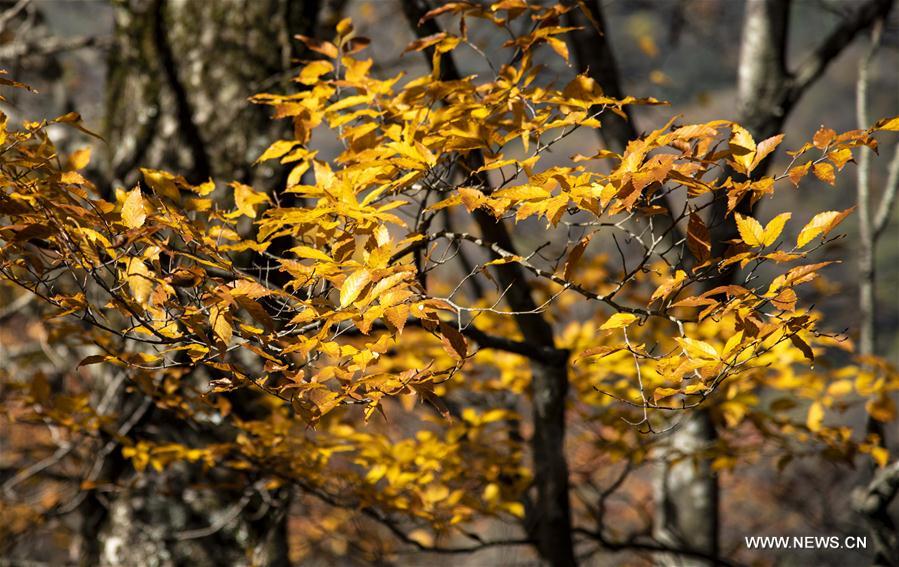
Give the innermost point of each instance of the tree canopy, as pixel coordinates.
(405, 330)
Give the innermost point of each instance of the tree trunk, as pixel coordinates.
(180, 72)
(179, 76)
(549, 520)
(550, 523)
(688, 490)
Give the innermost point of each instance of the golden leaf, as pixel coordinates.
(742, 148)
(815, 417)
(821, 224)
(80, 158)
(765, 147)
(162, 182)
(311, 253)
(221, 327)
(753, 234)
(133, 212)
(825, 172)
(882, 408)
(662, 393)
(246, 199)
(139, 280)
(353, 286)
(774, 227)
(618, 321)
(751, 230)
(888, 124)
(698, 349)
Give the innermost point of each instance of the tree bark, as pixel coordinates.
(180, 73)
(873, 501)
(551, 521)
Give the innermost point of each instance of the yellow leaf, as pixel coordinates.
(888, 124)
(162, 182)
(840, 388)
(825, 172)
(742, 147)
(311, 253)
(558, 46)
(753, 234)
(421, 537)
(751, 230)
(246, 199)
(133, 211)
(72, 178)
(669, 286)
(220, 325)
(471, 198)
(881, 456)
(815, 417)
(312, 71)
(662, 393)
(491, 493)
(139, 281)
(882, 408)
(277, 149)
(353, 286)
(435, 493)
(204, 188)
(821, 224)
(618, 321)
(774, 228)
(80, 158)
(765, 147)
(698, 349)
(514, 508)
(732, 343)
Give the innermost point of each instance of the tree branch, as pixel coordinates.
(653, 547)
(817, 62)
(884, 211)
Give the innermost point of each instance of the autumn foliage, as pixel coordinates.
(405, 329)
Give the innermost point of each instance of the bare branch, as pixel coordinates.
(816, 63)
(884, 211)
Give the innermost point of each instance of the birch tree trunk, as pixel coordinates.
(688, 492)
(872, 501)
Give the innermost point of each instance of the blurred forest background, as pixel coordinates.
(166, 83)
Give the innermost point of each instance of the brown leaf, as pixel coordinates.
(698, 238)
(453, 341)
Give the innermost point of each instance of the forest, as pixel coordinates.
(418, 282)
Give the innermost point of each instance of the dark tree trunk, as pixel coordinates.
(180, 73)
(549, 520)
(179, 76)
